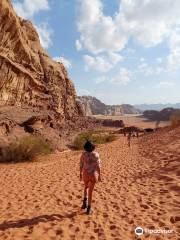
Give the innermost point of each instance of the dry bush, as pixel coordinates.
(25, 149)
(175, 118)
(96, 138)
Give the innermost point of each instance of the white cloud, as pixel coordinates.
(144, 68)
(101, 79)
(45, 34)
(142, 59)
(147, 22)
(27, 8)
(115, 58)
(99, 33)
(148, 70)
(64, 61)
(99, 63)
(82, 92)
(173, 60)
(78, 45)
(159, 70)
(122, 78)
(165, 84)
(130, 50)
(159, 60)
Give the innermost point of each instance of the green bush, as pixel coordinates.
(80, 140)
(96, 138)
(25, 149)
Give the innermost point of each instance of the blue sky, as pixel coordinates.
(124, 51)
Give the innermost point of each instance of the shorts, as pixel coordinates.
(93, 177)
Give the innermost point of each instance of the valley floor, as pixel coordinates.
(41, 200)
(135, 120)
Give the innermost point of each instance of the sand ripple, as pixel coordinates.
(41, 200)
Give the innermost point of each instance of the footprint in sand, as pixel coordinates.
(175, 219)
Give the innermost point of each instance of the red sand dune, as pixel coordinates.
(140, 187)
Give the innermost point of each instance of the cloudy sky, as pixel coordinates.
(121, 51)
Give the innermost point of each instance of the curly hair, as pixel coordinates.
(89, 147)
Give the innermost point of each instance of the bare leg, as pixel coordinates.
(85, 191)
(90, 191)
(84, 205)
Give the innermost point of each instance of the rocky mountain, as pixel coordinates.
(122, 109)
(36, 94)
(93, 106)
(157, 106)
(28, 76)
(162, 115)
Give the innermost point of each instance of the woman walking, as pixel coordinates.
(89, 173)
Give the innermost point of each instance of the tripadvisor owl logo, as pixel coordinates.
(139, 231)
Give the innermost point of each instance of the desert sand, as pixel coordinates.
(135, 120)
(41, 200)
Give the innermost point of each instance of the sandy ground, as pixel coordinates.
(41, 200)
(135, 120)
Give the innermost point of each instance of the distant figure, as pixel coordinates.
(157, 124)
(133, 134)
(129, 139)
(89, 173)
(137, 134)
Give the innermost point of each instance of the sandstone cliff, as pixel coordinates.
(93, 106)
(28, 76)
(36, 95)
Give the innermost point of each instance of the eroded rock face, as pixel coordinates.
(16, 122)
(93, 106)
(28, 76)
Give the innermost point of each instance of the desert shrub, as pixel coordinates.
(110, 138)
(175, 118)
(96, 138)
(80, 139)
(25, 149)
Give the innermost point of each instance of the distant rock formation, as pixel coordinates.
(163, 115)
(156, 106)
(28, 76)
(122, 109)
(93, 106)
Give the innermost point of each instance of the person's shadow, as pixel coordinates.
(34, 221)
